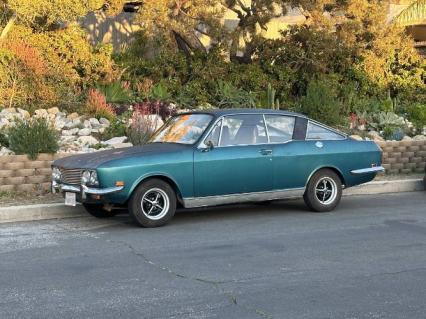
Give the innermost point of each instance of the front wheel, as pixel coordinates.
(324, 191)
(153, 203)
(98, 211)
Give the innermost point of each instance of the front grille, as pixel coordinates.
(71, 176)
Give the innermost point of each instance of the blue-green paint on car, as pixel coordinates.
(195, 171)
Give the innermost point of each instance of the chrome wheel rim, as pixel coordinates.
(155, 203)
(326, 190)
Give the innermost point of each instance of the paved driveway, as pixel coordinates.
(365, 260)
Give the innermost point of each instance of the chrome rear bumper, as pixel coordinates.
(374, 169)
(83, 189)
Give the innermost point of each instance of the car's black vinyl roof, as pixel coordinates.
(221, 112)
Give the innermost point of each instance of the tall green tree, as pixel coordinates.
(414, 13)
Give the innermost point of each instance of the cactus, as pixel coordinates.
(272, 102)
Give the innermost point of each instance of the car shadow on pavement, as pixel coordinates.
(229, 212)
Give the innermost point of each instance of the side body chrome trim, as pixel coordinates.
(191, 202)
(374, 169)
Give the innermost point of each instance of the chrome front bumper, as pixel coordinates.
(374, 169)
(83, 189)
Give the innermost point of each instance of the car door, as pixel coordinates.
(287, 138)
(239, 159)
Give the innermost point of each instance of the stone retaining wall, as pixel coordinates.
(404, 157)
(18, 173)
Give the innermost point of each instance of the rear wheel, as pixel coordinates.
(324, 191)
(98, 211)
(153, 203)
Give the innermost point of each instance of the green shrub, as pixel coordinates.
(32, 137)
(159, 92)
(228, 96)
(321, 101)
(117, 127)
(417, 115)
(4, 140)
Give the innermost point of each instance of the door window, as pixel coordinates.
(280, 128)
(243, 129)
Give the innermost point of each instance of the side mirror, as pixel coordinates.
(209, 145)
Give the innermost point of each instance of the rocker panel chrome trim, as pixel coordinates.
(191, 202)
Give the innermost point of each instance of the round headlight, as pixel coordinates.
(56, 174)
(94, 179)
(85, 177)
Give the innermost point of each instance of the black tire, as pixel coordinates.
(147, 208)
(98, 211)
(328, 200)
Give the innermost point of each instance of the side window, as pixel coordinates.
(214, 134)
(244, 129)
(280, 128)
(317, 132)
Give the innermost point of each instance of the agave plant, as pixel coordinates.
(114, 92)
(387, 119)
(415, 12)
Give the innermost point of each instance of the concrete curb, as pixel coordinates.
(59, 210)
(38, 212)
(383, 187)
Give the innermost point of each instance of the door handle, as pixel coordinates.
(265, 152)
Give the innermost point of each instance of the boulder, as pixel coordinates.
(94, 122)
(4, 122)
(59, 123)
(375, 136)
(53, 110)
(121, 145)
(87, 140)
(73, 116)
(407, 138)
(66, 140)
(8, 110)
(115, 140)
(70, 132)
(84, 132)
(25, 114)
(41, 113)
(5, 151)
(104, 121)
(156, 120)
(87, 124)
(76, 122)
(419, 138)
(357, 137)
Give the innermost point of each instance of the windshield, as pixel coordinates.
(183, 129)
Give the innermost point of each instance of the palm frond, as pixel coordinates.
(414, 13)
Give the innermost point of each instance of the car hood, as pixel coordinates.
(95, 159)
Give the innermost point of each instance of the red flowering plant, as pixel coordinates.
(358, 121)
(97, 106)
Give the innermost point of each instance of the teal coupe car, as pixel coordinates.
(207, 158)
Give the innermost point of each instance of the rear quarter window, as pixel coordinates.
(318, 132)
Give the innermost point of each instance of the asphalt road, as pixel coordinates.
(365, 260)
